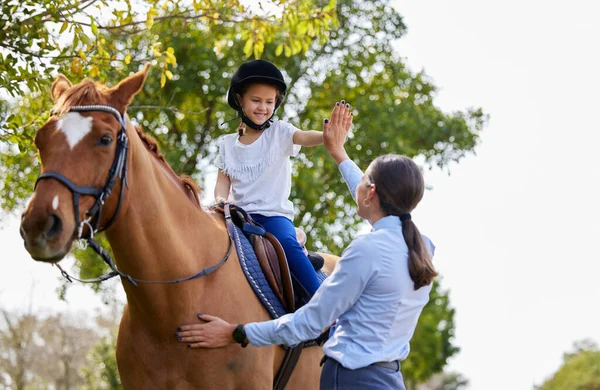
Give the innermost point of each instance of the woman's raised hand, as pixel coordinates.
(335, 131)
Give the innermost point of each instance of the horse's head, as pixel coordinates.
(79, 148)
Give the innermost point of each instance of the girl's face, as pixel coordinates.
(258, 102)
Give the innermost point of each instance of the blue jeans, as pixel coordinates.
(283, 229)
(334, 376)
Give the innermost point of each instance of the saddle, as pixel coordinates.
(269, 253)
(272, 260)
(274, 266)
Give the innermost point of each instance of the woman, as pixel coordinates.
(376, 291)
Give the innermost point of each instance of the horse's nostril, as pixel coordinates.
(53, 227)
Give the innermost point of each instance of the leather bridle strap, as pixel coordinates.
(118, 171)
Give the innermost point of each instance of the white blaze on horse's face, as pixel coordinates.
(75, 127)
(55, 202)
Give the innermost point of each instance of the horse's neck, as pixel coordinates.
(161, 234)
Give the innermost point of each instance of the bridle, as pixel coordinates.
(118, 171)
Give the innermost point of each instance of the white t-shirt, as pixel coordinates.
(261, 173)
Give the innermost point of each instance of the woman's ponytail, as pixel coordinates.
(420, 267)
(400, 187)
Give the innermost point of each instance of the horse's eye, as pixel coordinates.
(105, 140)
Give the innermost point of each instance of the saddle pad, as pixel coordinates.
(255, 276)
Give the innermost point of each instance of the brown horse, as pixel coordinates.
(158, 231)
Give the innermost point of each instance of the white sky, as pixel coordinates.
(514, 225)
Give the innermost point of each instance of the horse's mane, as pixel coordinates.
(152, 146)
(89, 91)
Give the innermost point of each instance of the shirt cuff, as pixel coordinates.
(261, 334)
(352, 175)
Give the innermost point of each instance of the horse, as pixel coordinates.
(158, 230)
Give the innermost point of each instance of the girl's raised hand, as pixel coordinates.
(335, 131)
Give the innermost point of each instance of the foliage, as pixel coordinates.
(18, 350)
(432, 344)
(98, 38)
(43, 352)
(40, 36)
(580, 369)
(100, 370)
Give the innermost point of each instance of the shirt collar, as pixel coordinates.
(390, 221)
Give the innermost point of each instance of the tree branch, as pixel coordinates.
(31, 20)
(25, 52)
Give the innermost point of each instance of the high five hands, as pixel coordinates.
(335, 130)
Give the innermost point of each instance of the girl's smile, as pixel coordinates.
(258, 102)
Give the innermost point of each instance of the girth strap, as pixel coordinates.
(287, 366)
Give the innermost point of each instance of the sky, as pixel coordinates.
(515, 223)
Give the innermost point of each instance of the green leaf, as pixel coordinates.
(259, 47)
(330, 6)
(85, 39)
(302, 27)
(248, 47)
(63, 27)
(279, 49)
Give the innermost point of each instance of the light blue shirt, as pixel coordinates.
(369, 292)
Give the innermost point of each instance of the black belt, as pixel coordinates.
(393, 365)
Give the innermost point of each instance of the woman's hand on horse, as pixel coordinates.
(335, 131)
(213, 332)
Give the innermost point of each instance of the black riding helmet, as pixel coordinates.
(256, 71)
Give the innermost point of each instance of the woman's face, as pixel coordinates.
(258, 102)
(362, 196)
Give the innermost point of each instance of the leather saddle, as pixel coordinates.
(271, 258)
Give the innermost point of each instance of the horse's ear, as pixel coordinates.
(59, 86)
(123, 93)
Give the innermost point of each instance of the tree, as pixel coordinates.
(100, 370)
(432, 344)
(38, 38)
(66, 341)
(18, 349)
(580, 369)
(41, 352)
(33, 32)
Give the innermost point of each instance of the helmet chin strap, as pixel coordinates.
(253, 125)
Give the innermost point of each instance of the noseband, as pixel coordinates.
(118, 171)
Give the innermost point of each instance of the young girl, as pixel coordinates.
(254, 163)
